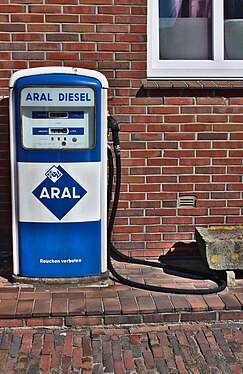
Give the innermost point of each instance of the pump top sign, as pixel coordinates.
(57, 96)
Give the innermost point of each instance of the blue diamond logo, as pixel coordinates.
(59, 192)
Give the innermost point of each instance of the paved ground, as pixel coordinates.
(119, 329)
(152, 349)
(117, 304)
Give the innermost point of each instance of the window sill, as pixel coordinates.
(192, 84)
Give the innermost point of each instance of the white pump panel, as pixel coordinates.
(58, 118)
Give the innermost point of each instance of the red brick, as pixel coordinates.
(146, 101)
(61, 56)
(106, 2)
(178, 101)
(113, 28)
(195, 109)
(127, 319)
(129, 305)
(160, 318)
(67, 347)
(4, 18)
(96, 19)
(11, 322)
(27, 18)
(76, 306)
(198, 316)
(28, 37)
(197, 302)
(78, 47)
(180, 118)
(94, 306)
(43, 28)
(55, 9)
(231, 315)
(210, 101)
(230, 300)
(60, 18)
(12, 9)
(132, 38)
(196, 145)
(180, 136)
(74, 2)
(28, 55)
(114, 10)
(212, 118)
(8, 308)
(43, 46)
(35, 322)
(4, 37)
(5, 55)
(228, 109)
(77, 28)
(163, 303)
(26, 342)
(24, 308)
(13, 27)
(83, 321)
(48, 344)
(111, 306)
(78, 9)
(227, 145)
(214, 302)
(45, 361)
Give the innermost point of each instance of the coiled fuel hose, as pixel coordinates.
(112, 252)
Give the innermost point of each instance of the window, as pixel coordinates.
(195, 39)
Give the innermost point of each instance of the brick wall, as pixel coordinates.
(178, 138)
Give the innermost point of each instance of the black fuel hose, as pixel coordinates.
(112, 252)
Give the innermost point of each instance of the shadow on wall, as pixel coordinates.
(5, 191)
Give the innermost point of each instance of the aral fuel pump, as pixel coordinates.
(58, 127)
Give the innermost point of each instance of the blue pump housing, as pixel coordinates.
(59, 193)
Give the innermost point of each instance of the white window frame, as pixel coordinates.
(217, 68)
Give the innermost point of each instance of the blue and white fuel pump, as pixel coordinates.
(58, 127)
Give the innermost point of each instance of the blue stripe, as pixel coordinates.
(40, 130)
(54, 250)
(57, 131)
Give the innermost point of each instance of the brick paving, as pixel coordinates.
(117, 304)
(119, 329)
(154, 349)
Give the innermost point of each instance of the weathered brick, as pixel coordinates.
(11, 322)
(161, 317)
(123, 319)
(198, 316)
(83, 321)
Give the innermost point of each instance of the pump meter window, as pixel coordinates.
(57, 117)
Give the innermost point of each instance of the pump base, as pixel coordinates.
(100, 280)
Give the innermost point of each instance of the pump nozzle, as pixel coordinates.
(113, 125)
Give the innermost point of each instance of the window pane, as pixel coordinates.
(185, 29)
(233, 29)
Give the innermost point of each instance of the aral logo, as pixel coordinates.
(59, 192)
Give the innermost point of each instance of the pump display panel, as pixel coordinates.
(57, 118)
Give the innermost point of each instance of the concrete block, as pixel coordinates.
(221, 246)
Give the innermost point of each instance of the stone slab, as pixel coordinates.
(221, 246)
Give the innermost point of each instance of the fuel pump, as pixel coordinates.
(58, 125)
